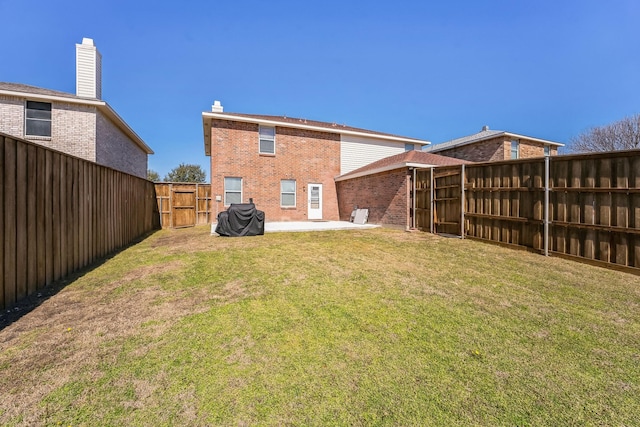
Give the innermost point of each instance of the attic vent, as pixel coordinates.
(485, 128)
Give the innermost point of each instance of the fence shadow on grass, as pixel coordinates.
(21, 308)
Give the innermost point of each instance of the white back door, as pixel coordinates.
(314, 206)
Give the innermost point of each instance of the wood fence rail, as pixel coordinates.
(585, 207)
(60, 213)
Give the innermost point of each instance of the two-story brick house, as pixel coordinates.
(289, 166)
(82, 125)
(492, 145)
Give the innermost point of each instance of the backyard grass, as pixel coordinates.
(375, 327)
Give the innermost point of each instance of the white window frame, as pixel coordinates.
(268, 137)
(28, 119)
(232, 191)
(547, 150)
(515, 149)
(282, 193)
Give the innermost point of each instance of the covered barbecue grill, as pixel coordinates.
(241, 219)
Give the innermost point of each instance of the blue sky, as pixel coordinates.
(430, 70)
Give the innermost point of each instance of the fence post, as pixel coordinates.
(462, 201)
(547, 160)
(431, 203)
(197, 203)
(413, 200)
(170, 205)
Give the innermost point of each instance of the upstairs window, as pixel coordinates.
(547, 150)
(267, 140)
(288, 193)
(409, 147)
(515, 149)
(38, 119)
(232, 190)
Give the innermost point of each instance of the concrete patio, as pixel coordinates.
(292, 226)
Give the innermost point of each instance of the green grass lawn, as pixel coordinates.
(376, 327)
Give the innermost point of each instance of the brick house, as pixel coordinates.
(492, 145)
(385, 187)
(288, 166)
(82, 125)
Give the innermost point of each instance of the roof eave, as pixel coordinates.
(436, 148)
(111, 113)
(101, 105)
(394, 166)
(222, 116)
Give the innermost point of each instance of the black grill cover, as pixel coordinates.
(241, 219)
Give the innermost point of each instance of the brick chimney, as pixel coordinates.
(88, 70)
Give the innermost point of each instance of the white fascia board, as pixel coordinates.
(542, 141)
(381, 169)
(111, 113)
(310, 127)
(101, 105)
(43, 97)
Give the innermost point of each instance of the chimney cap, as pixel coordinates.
(216, 107)
(485, 128)
(87, 41)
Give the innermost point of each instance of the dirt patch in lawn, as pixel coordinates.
(68, 334)
(200, 239)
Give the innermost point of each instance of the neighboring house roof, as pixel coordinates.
(296, 123)
(413, 158)
(38, 93)
(484, 135)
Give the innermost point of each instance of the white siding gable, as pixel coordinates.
(356, 151)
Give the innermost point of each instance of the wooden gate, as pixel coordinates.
(183, 205)
(439, 200)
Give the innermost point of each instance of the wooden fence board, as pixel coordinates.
(594, 204)
(21, 222)
(3, 204)
(59, 213)
(9, 220)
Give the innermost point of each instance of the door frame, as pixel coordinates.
(314, 213)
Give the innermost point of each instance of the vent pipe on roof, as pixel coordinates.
(485, 128)
(216, 107)
(88, 70)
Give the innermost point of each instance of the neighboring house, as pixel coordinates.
(288, 166)
(491, 145)
(82, 125)
(385, 187)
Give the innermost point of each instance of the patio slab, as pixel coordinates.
(293, 226)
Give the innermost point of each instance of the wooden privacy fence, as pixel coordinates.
(60, 213)
(183, 204)
(579, 206)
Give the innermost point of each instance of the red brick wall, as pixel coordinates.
(484, 151)
(496, 149)
(385, 194)
(303, 155)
